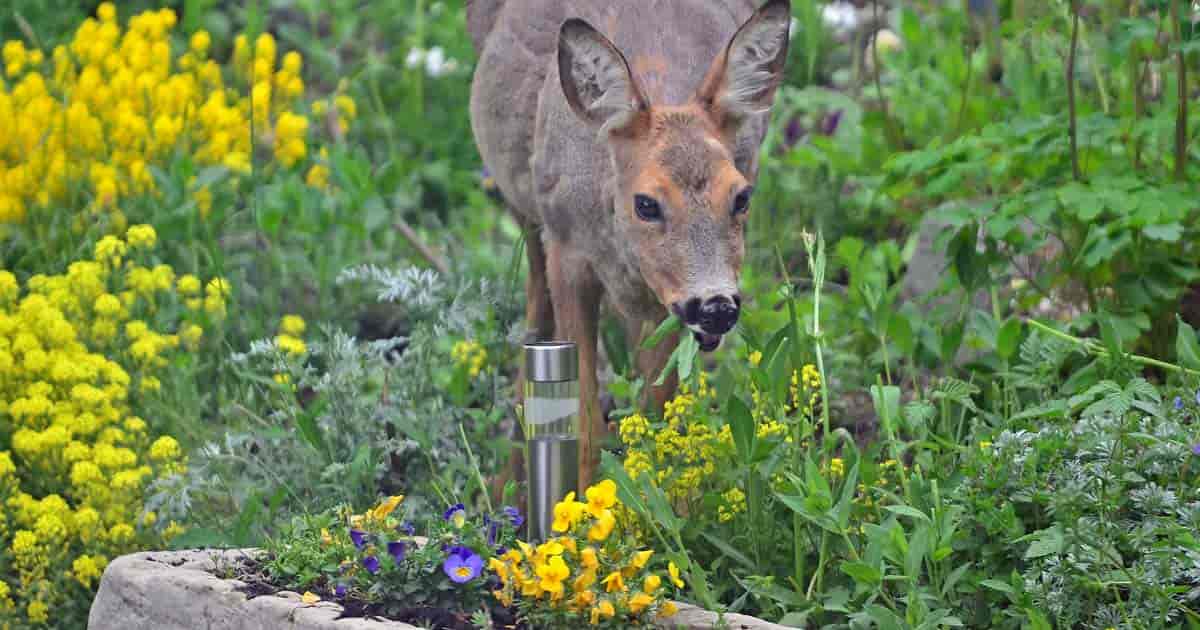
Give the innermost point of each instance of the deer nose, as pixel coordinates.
(718, 315)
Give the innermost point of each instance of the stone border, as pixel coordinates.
(178, 590)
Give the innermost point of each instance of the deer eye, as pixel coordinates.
(741, 203)
(647, 209)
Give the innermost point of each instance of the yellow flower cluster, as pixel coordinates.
(76, 355)
(587, 574)
(291, 328)
(684, 451)
(733, 503)
(470, 354)
(805, 389)
(111, 103)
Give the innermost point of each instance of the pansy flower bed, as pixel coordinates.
(469, 569)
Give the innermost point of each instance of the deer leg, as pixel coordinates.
(576, 293)
(539, 323)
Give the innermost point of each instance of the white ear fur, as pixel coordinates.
(596, 79)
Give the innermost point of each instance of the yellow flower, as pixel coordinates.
(588, 558)
(640, 602)
(613, 582)
(673, 571)
(317, 176)
(309, 598)
(141, 236)
(837, 467)
(85, 570)
(984, 445)
(187, 285)
(668, 609)
(290, 344)
(603, 526)
(651, 583)
(641, 558)
(601, 496)
(566, 513)
(603, 609)
(164, 448)
(292, 325)
(756, 358)
(552, 574)
(38, 612)
(386, 507)
(200, 42)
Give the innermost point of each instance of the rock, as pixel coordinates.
(182, 590)
(178, 590)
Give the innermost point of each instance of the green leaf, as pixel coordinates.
(741, 425)
(862, 573)
(908, 510)
(1046, 542)
(669, 325)
(886, 401)
(309, 429)
(1187, 348)
(997, 585)
(1169, 232)
(729, 550)
(688, 348)
(1008, 338)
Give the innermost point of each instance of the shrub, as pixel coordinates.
(81, 356)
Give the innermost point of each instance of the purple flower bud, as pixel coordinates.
(340, 590)
(371, 564)
(514, 516)
(407, 528)
(793, 132)
(1178, 403)
(1196, 449)
(830, 123)
(359, 538)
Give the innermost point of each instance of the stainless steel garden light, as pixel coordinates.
(551, 429)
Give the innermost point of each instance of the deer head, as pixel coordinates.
(682, 188)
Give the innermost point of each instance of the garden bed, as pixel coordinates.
(189, 589)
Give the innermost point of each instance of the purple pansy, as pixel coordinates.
(514, 516)
(340, 590)
(456, 515)
(407, 528)
(462, 565)
(397, 550)
(359, 538)
(371, 564)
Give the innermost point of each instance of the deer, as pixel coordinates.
(624, 138)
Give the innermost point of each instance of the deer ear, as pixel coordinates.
(596, 80)
(743, 79)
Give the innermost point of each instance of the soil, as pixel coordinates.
(257, 584)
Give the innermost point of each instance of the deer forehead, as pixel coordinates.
(687, 162)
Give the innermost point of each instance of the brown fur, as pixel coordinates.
(572, 130)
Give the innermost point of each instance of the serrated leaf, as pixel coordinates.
(1046, 542)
